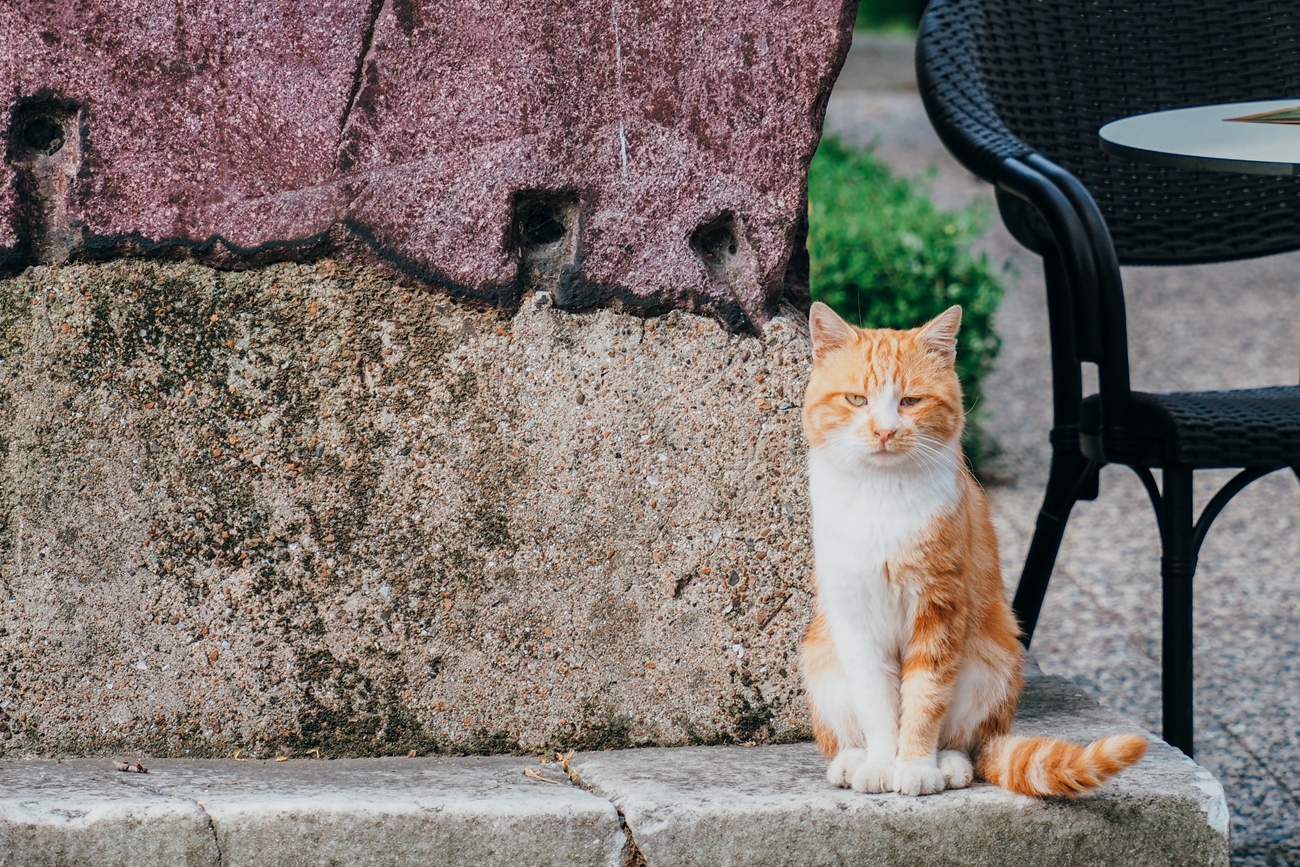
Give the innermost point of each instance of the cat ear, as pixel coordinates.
(940, 333)
(829, 331)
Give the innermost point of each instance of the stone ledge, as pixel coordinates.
(772, 806)
(472, 811)
(688, 806)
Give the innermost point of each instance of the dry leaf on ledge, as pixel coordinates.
(530, 773)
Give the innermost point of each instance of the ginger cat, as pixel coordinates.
(912, 664)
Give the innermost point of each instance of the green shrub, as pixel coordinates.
(889, 15)
(883, 256)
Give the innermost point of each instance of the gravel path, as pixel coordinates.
(1216, 326)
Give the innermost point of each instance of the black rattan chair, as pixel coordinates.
(1017, 90)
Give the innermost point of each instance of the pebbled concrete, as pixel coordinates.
(771, 806)
(300, 507)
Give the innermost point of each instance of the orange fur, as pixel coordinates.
(1045, 767)
(820, 655)
(888, 403)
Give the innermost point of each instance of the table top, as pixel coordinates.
(1206, 138)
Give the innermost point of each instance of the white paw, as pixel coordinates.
(918, 778)
(840, 773)
(956, 767)
(873, 776)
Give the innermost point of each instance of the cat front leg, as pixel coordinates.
(875, 704)
(929, 675)
(853, 693)
(830, 700)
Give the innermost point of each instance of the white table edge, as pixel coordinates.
(1191, 163)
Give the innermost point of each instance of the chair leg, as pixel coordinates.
(1177, 566)
(1064, 485)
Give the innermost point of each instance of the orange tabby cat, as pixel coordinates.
(912, 664)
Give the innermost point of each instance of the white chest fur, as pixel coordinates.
(861, 519)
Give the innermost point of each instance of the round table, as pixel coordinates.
(1209, 138)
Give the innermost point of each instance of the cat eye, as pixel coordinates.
(855, 399)
(910, 401)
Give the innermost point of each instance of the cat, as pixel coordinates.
(912, 664)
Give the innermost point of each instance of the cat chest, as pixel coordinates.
(861, 543)
(863, 601)
(860, 523)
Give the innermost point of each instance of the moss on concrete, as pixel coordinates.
(303, 508)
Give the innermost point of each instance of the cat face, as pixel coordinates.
(880, 397)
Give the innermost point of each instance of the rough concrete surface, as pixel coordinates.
(301, 507)
(766, 805)
(472, 811)
(81, 813)
(772, 806)
(652, 153)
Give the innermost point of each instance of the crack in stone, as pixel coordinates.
(367, 42)
(216, 841)
(631, 855)
(141, 785)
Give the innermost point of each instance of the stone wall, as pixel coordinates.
(302, 507)
(648, 152)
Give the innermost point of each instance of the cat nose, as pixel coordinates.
(883, 434)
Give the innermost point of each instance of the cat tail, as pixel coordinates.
(1048, 767)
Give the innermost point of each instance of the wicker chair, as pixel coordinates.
(1017, 90)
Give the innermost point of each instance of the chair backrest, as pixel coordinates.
(1054, 71)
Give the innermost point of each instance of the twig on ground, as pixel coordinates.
(767, 618)
(530, 773)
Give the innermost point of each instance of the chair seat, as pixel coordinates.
(1256, 427)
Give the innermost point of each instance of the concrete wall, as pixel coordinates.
(304, 507)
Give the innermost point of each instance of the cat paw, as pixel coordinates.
(873, 776)
(957, 770)
(918, 778)
(840, 773)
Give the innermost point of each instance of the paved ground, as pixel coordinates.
(1219, 326)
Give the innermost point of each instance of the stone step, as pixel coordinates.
(772, 806)
(731, 805)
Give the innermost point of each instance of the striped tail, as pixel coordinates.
(1047, 767)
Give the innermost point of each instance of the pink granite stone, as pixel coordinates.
(649, 153)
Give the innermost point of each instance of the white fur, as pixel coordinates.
(918, 777)
(842, 767)
(883, 407)
(865, 510)
(980, 690)
(957, 770)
